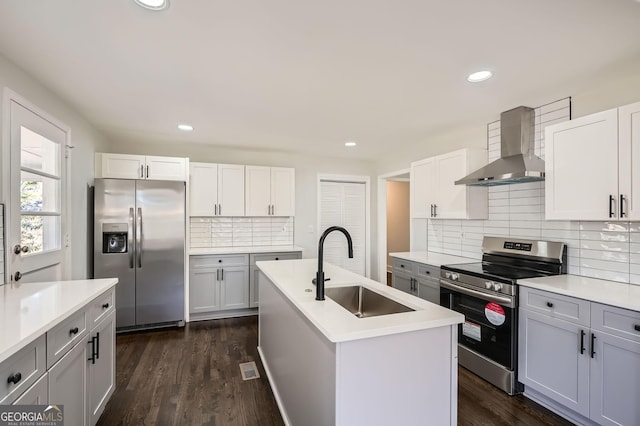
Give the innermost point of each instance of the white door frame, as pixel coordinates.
(367, 188)
(382, 220)
(9, 95)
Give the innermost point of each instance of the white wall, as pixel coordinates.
(307, 170)
(84, 137)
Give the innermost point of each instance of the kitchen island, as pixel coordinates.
(327, 366)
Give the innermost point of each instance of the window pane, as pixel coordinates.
(40, 233)
(39, 193)
(39, 153)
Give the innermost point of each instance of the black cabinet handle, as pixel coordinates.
(74, 330)
(277, 258)
(147, 171)
(636, 327)
(221, 274)
(141, 171)
(593, 345)
(105, 306)
(219, 260)
(402, 266)
(582, 334)
(435, 210)
(622, 213)
(549, 304)
(611, 200)
(217, 274)
(93, 350)
(97, 345)
(14, 378)
(428, 272)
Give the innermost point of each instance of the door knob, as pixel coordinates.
(17, 276)
(17, 249)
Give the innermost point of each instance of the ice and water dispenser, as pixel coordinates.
(114, 238)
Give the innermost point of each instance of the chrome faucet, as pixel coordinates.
(320, 274)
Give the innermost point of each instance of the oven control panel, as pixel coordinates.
(511, 245)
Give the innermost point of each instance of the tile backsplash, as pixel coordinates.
(211, 232)
(607, 250)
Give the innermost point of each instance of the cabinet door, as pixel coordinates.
(451, 199)
(234, 288)
(402, 282)
(615, 377)
(253, 287)
(429, 290)
(230, 190)
(67, 384)
(121, 166)
(204, 290)
(166, 168)
(629, 143)
(258, 190)
(283, 191)
(423, 178)
(37, 394)
(549, 359)
(102, 373)
(581, 166)
(203, 192)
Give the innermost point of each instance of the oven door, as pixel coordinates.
(489, 327)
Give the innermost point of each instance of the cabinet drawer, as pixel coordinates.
(274, 256)
(65, 335)
(401, 265)
(23, 367)
(215, 261)
(617, 321)
(427, 271)
(101, 306)
(567, 308)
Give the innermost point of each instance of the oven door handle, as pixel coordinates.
(506, 301)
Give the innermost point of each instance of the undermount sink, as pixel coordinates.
(363, 302)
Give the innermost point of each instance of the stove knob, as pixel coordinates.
(488, 285)
(447, 275)
(454, 276)
(497, 286)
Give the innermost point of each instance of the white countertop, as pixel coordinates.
(432, 258)
(596, 290)
(28, 310)
(293, 278)
(247, 249)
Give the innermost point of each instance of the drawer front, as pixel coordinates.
(215, 261)
(554, 305)
(274, 256)
(427, 271)
(65, 335)
(102, 306)
(402, 266)
(617, 321)
(21, 370)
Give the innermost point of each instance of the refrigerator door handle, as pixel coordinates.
(139, 237)
(130, 237)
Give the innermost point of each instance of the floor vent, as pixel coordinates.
(249, 371)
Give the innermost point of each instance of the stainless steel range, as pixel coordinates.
(486, 293)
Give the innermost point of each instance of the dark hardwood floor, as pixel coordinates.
(191, 376)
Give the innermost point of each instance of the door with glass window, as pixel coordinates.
(37, 197)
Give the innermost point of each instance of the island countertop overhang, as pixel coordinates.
(293, 278)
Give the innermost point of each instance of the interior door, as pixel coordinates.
(37, 197)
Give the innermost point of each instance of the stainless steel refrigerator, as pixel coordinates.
(139, 237)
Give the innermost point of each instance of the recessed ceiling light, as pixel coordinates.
(185, 127)
(350, 144)
(479, 76)
(153, 4)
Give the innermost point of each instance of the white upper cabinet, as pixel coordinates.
(270, 191)
(127, 166)
(434, 193)
(588, 165)
(216, 189)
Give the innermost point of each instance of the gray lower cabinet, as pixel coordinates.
(37, 394)
(204, 291)
(254, 271)
(67, 384)
(218, 283)
(417, 278)
(581, 357)
(234, 287)
(101, 367)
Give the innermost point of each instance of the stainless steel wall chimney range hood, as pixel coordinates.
(517, 162)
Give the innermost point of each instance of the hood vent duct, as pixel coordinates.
(517, 162)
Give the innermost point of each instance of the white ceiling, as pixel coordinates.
(307, 76)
